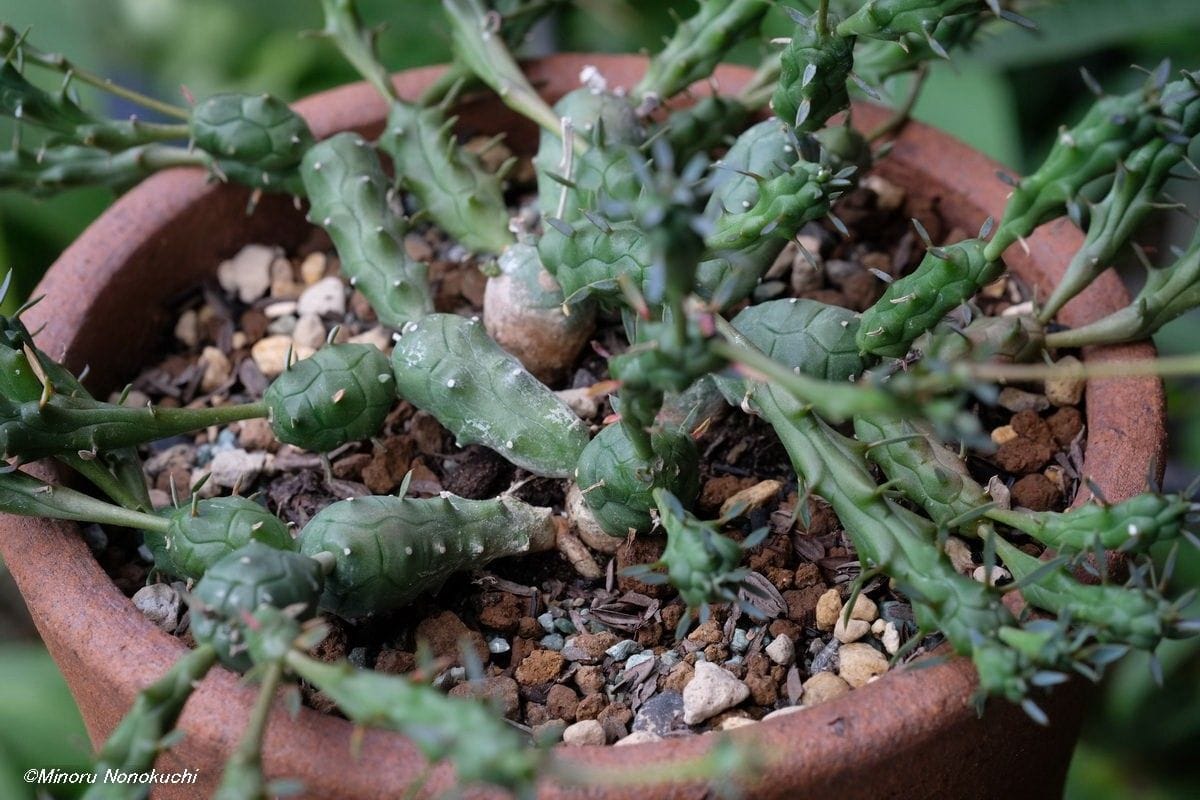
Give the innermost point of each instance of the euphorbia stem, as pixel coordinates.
(27, 496)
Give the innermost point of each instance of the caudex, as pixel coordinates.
(638, 221)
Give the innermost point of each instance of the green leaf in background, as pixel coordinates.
(39, 725)
(974, 104)
(1068, 30)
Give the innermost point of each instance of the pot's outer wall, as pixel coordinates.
(910, 734)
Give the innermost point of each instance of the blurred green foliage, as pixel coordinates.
(1006, 98)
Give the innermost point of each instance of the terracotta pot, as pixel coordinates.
(912, 733)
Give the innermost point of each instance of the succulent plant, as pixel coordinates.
(645, 220)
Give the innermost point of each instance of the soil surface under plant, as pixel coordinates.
(561, 638)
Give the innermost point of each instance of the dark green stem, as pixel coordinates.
(243, 777)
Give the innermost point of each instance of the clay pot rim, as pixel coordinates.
(919, 704)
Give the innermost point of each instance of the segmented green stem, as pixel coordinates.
(474, 34)
(243, 776)
(33, 430)
(448, 365)
(356, 43)
(1167, 293)
(387, 551)
(1133, 525)
(56, 169)
(482, 748)
(135, 743)
(698, 45)
(349, 194)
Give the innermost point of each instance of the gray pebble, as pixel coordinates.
(660, 714)
(358, 657)
(546, 620)
(638, 658)
(827, 659)
(498, 644)
(622, 649)
(552, 641)
(740, 641)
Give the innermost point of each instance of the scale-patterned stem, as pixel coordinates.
(390, 550)
(451, 182)
(250, 578)
(342, 393)
(698, 45)
(602, 171)
(448, 365)
(618, 481)
(482, 748)
(946, 278)
(257, 132)
(349, 195)
(135, 743)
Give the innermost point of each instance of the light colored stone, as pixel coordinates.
(584, 523)
(638, 737)
(822, 687)
(858, 663)
(732, 723)
(284, 308)
(878, 626)
(187, 328)
(751, 498)
(1065, 391)
(283, 281)
(852, 631)
(377, 336)
(891, 638)
(888, 196)
(781, 650)
(585, 404)
(585, 732)
(829, 607)
(312, 268)
(236, 468)
(786, 711)
(999, 492)
(160, 604)
(248, 274)
(711, 690)
(309, 332)
(1015, 400)
(270, 354)
(959, 554)
(326, 296)
(998, 575)
(864, 609)
(216, 369)
(1003, 434)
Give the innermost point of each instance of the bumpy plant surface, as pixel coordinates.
(666, 221)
